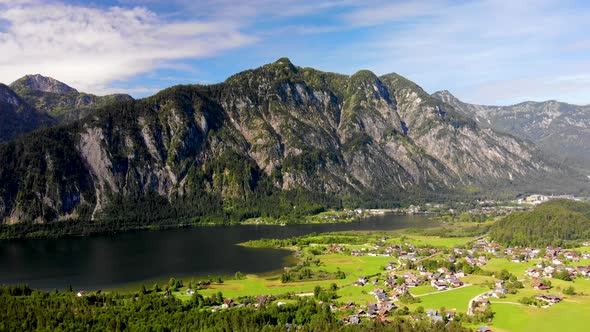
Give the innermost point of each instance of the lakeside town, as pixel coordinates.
(407, 272)
(483, 209)
(398, 275)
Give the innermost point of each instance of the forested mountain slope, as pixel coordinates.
(17, 117)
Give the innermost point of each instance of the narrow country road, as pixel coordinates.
(447, 290)
(470, 305)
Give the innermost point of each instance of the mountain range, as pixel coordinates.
(271, 140)
(560, 130)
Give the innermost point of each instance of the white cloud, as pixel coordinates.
(90, 47)
(261, 10)
(474, 48)
(377, 13)
(572, 89)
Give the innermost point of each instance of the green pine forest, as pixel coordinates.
(558, 222)
(24, 309)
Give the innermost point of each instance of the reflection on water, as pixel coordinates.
(108, 261)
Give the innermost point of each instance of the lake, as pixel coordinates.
(101, 262)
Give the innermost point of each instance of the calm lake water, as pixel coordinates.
(117, 260)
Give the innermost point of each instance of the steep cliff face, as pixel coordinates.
(262, 133)
(17, 117)
(43, 181)
(473, 154)
(560, 130)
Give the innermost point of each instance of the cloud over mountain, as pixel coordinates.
(90, 47)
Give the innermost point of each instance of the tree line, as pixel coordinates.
(24, 309)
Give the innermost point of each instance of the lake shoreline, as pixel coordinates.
(132, 258)
(289, 261)
(90, 232)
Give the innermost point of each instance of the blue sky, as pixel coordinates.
(484, 51)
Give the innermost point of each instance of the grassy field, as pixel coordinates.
(419, 290)
(354, 267)
(477, 279)
(356, 294)
(518, 269)
(511, 317)
(581, 249)
(569, 315)
(436, 241)
(256, 285)
(456, 299)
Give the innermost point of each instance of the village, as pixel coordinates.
(553, 262)
(427, 278)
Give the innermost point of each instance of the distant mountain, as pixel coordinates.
(561, 130)
(275, 140)
(17, 117)
(41, 83)
(60, 101)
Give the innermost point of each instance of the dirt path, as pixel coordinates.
(443, 291)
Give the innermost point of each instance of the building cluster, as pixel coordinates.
(375, 311)
(436, 316)
(399, 278)
(404, 253)
(477, 254)
(538, 199)
(558, 262)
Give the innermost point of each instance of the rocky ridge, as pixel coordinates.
(560, 130)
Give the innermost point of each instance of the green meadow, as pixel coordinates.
(453, 299)
(436, 241)
(569, 315)
(518, 269)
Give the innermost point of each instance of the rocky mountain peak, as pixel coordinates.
(363, 77)
(446, 96)
(41, 83)
(367, 81)
(286, 63)
(559, 129)
(17, 116)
